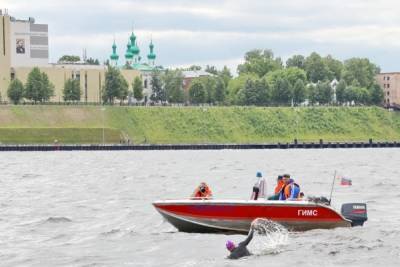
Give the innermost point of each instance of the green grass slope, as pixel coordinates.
(161, 125)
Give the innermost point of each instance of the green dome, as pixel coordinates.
(151, 55)
(114, 55)
(128, 54)
(135, 50)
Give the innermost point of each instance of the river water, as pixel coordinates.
(94, 208)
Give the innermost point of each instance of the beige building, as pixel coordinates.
(390, 84)
(24, 45)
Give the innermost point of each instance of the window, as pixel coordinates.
(388, 78)
(388, 86)
(388, 93)
(384, 85)
(145, 84)
(12, 76)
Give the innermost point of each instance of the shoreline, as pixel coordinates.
(294, 145)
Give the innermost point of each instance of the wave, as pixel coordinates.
(58, 220)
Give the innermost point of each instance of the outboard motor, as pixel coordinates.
(355, 212)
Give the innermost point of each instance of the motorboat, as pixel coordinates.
(210, 216)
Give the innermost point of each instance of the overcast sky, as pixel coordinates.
(219, 32)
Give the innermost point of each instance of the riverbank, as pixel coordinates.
(191, 125)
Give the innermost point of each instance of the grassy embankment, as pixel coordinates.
(159, 125)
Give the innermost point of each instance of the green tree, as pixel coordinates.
(15, 91)
(360, 72)
(359, 95)
(376, 95)
(72, 90)
(324, 93)
(38, 87)
(226, 75)
(281, 92)
(137, 88)
(316, 68)
(197, 92)
(158, 91)
(236, 84)
(260, 62)
(173, 84)
(194, 68)
(299, 92)
(220, 91)
(335, 67)
(292, 75)
(69, 58)
(340, 91)
(92, 61)
(209, 83)
(297, 61)
(115, 87)
(211, 70)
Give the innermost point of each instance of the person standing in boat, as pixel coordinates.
(203, 191)
(240, 251)
(259, 188)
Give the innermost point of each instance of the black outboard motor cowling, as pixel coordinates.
(355, 212)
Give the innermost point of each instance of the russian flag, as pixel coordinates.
(346, 181)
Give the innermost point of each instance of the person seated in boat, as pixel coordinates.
(203, 191)
(240, 251)
(259, 187)
(278, 188)
(291, 190)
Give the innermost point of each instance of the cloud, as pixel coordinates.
(221, 31)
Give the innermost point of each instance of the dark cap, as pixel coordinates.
(280, 177)
(286, 175)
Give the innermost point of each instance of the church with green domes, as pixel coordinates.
(133, 58)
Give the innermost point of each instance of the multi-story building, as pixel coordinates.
(24, 44)
(390, 84)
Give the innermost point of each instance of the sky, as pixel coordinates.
(220, 32)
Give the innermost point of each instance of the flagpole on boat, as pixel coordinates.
(333, 185)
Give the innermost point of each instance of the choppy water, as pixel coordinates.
(94, 208)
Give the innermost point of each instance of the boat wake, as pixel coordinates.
(269, 237)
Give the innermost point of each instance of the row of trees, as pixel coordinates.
(264, 80)
(37, 89)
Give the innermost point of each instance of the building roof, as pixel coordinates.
(195, 73)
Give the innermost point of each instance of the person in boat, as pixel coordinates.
(259, 187)
(203, 191)
(240, 251)
(278, 188)
(291, 190)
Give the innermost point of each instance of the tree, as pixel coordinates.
(236, 84)
(281, 92)
(209, 84)
(260, 62)
(15, 91)
(197, 92)
(254, 93)
(226, 75)
(220, 91)
(316, 68)
(91, 61)
(38, 87)
(72, 90)
(299, 92)
(376, 94)
(115, 86)
(357, 94)
(194, 68)
(69, 59)
(158, 91)
(211, 70)
(335, 67)
(324, 93)
(297, 61)
(137, 88)
(340, 91)
(173, 84)
(360, 72)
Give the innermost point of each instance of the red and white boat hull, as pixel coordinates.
(206, 216)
